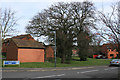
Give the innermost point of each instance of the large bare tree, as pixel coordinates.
(68, 20)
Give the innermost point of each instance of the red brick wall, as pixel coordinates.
(4, 49)
(12, 51)
(49, 52)
(31, 55)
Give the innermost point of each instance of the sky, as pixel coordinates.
(26, 9)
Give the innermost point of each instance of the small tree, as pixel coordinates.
(83, 45)
(7, 23)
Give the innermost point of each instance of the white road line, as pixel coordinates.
(89, 71)
(113, 68)
(60, 75)
(49, 76)
(78, 72)
(110, 68)
(106, 69)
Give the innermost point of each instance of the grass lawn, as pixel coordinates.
(74, 63)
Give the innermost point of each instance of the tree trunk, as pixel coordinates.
(63, 58)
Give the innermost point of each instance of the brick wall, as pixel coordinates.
(12, 51)
(49, 52)
(31, 55)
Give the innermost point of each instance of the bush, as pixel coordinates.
(50, 59)
(83, 58)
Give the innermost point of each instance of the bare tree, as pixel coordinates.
(7, 22)
(111, 24)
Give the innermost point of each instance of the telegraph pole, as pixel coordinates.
(118, 37)
(55, 48)
(0, 52)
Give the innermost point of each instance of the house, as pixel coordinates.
(25, 50)
(106, 47)
(112, 53)
(6, 41)
(109, 50)
(49, 51)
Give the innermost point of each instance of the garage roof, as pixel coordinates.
(28, 43)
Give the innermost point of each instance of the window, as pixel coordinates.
(111, 54)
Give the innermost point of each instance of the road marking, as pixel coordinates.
(78, 72)
(60, 75)
(89, 71)
(113, 68)
(110, 68)
(50, 76)
(82, 68)
(106, 69)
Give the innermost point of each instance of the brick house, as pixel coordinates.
(24, 49)
(110, 50)
(107, 46)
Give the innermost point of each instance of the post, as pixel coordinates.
(55, 48)
(118, 29)
(0, 51)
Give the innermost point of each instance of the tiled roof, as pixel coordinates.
(22, 36)
(28, 43)
(17, 37)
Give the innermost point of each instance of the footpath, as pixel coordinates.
(14, 69)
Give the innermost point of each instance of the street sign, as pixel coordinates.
(11, 63)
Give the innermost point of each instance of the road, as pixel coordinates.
(78, 72)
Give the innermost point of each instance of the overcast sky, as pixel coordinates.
(26, 9)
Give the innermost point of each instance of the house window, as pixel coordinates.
(111, 54)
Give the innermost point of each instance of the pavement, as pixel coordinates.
(18, 69)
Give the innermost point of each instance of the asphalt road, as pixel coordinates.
(79, 72)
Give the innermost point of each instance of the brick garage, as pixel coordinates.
(25, 50)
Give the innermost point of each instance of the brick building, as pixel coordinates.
(110, 50)
(49, 51)
(24, 49)
(112, 53)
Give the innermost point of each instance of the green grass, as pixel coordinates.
(74, 63)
